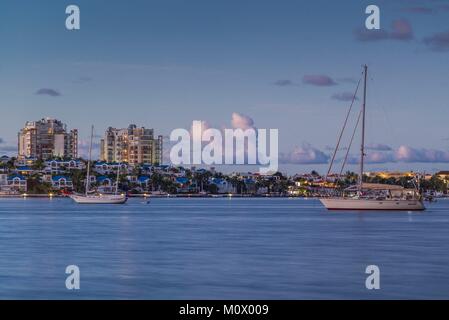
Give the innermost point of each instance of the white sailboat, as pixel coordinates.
(369, 196)
(98, 198)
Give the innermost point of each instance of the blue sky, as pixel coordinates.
(284, 64)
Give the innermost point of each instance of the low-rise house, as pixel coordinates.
(390, 174)
(25, 161)
(105, 184)
(144, 182)
(60, 166)
(147, 169)
(105, 168)
(17, 182)
(184, 185)
(162, 168)
(62, 183)
(24, 170)
(444, 175)
(250, 185)
(223, 186)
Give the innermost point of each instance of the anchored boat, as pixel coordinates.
(98, 198)
(369, 196)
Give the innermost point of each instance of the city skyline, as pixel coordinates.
(291, 67)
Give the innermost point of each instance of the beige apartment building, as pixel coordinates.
(132, 145)
(47, 138)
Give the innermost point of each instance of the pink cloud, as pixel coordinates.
(241, 121)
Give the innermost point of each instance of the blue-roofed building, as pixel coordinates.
(61, 182)
(103, 168)
(104, 181)
(144, 181)
(223, 185)
(24, 170)
(17, 182)
(25, 161)
(184, 185)
(60, 166)
(105, 184)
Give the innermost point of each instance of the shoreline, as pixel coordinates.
(17, 196)
(44, 196)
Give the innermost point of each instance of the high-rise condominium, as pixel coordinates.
(47, 138)
(132, 145)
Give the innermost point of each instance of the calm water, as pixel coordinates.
(220, 248)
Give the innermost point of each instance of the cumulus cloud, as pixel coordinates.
(306, 154)
(401, 30)
(375, 157)
(409, 154)
(241, 121)
(48, 92)
(344, 96)
(318, 80)
(438, 41)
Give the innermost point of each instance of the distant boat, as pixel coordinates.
(369, 196)
(98, 198)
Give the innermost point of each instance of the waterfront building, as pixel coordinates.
(25, 161)
(17, 182)
(132, 145)
(62, 183)
(144, 182)
(46, 139)
(106, 168)
(223, 185)
(184, 185)
(444, 175)
(60, 166)
(390, 174)
(24, 170)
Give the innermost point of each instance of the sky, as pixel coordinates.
(289, 65)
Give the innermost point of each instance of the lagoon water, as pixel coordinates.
(220, 249)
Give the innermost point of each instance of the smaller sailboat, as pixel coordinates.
(370, 196)
(95, 197)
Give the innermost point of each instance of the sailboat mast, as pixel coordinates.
(362, 146)
(88, 162)
(118, 177)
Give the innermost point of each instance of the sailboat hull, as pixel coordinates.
(365, 204)
(99, 199)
